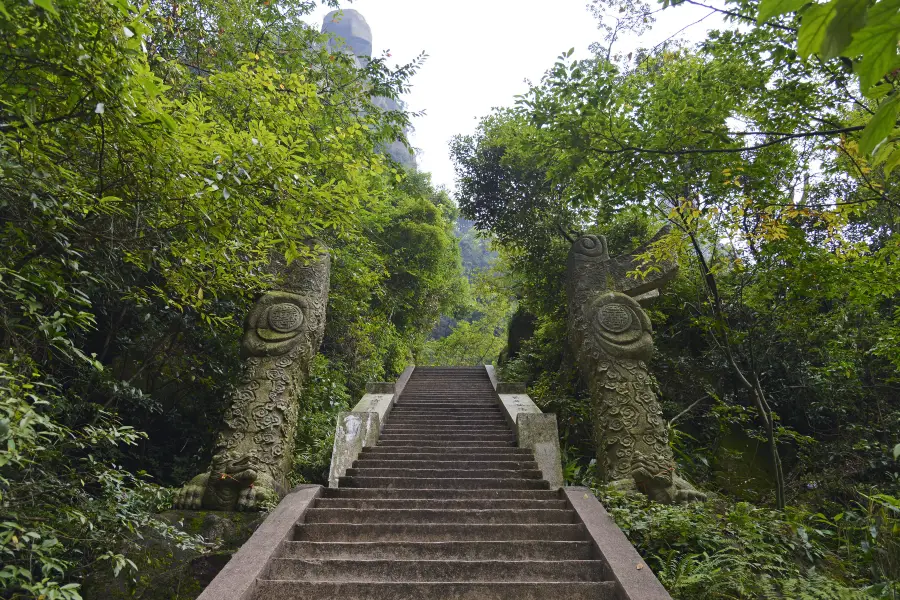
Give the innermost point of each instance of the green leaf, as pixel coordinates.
(881, 125)
(47, 5)
(876, 43)
(3, 11)
(813, 27)
(773, 8)
(892, 161)
(896, 451)
(850, 16)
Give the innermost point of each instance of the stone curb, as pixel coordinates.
(237, 581)
(625, 566)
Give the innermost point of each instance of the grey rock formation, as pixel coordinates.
(351, 27)
(352, 33)
(612, 340)
(281, 335)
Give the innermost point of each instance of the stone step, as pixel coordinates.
(447, 473)
(484, 426)
(457, 436)
(434, 532)
(477, 550)
(428, 443)
(443, 484)
(295, 590)
(434, 570)
(442, 454)
(431, 515)
(473, 504)
(366, 463)
(441, 494)
(462, 421)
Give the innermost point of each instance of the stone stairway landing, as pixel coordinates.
(445, 506)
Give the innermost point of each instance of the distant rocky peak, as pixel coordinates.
(351, 26)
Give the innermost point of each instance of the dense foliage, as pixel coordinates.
(152, 158)
(777, 346)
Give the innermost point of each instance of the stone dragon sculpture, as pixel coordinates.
(611, 337)
(282, 333)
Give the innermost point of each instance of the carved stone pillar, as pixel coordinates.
(611, 336)
(282, 333)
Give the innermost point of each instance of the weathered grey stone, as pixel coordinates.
(354, 431)
(539, 432)
(380, 387)
(508, 387)
(282, 333)
(634, 579)
(351, 33)
(237, 581)
(612, 340)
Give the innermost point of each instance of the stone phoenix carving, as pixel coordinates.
(282, 333)
(611, 337)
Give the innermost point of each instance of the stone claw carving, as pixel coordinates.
(611, 336)
(282, 333)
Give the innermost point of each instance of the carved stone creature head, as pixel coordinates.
(590, 268)
(293, 315)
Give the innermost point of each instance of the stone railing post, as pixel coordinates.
(360, 427)
(534, 429)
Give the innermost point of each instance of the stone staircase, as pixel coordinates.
(444, 506)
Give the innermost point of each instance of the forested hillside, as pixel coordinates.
(155, 157)
(152, 158)
(758, 155)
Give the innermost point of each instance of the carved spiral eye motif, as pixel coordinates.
(275, 325)
(620, 327)
(592, 246)
(285, 317)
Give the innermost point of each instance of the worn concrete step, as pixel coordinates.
(446, 457)
(431, 424)
(434, 570)
(443, 454)
(472, 504)
(426, 443)
(448, 437)
(450, 408)
(294, 590)
(406, 427)
(366, 463)
(473, 550)
(441, 494)
(447, 473)
(432, 420)
(446, 411)
(434, 532)
(365, 590)
(452, 430)
(431, 515)
(485, 426)
(458, 483)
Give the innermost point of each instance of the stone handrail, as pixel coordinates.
(237, 581)
(360, 427)
(534, 429)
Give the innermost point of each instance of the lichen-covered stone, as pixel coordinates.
(281, 335)
(611, 336)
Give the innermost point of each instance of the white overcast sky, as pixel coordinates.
(480, 53)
